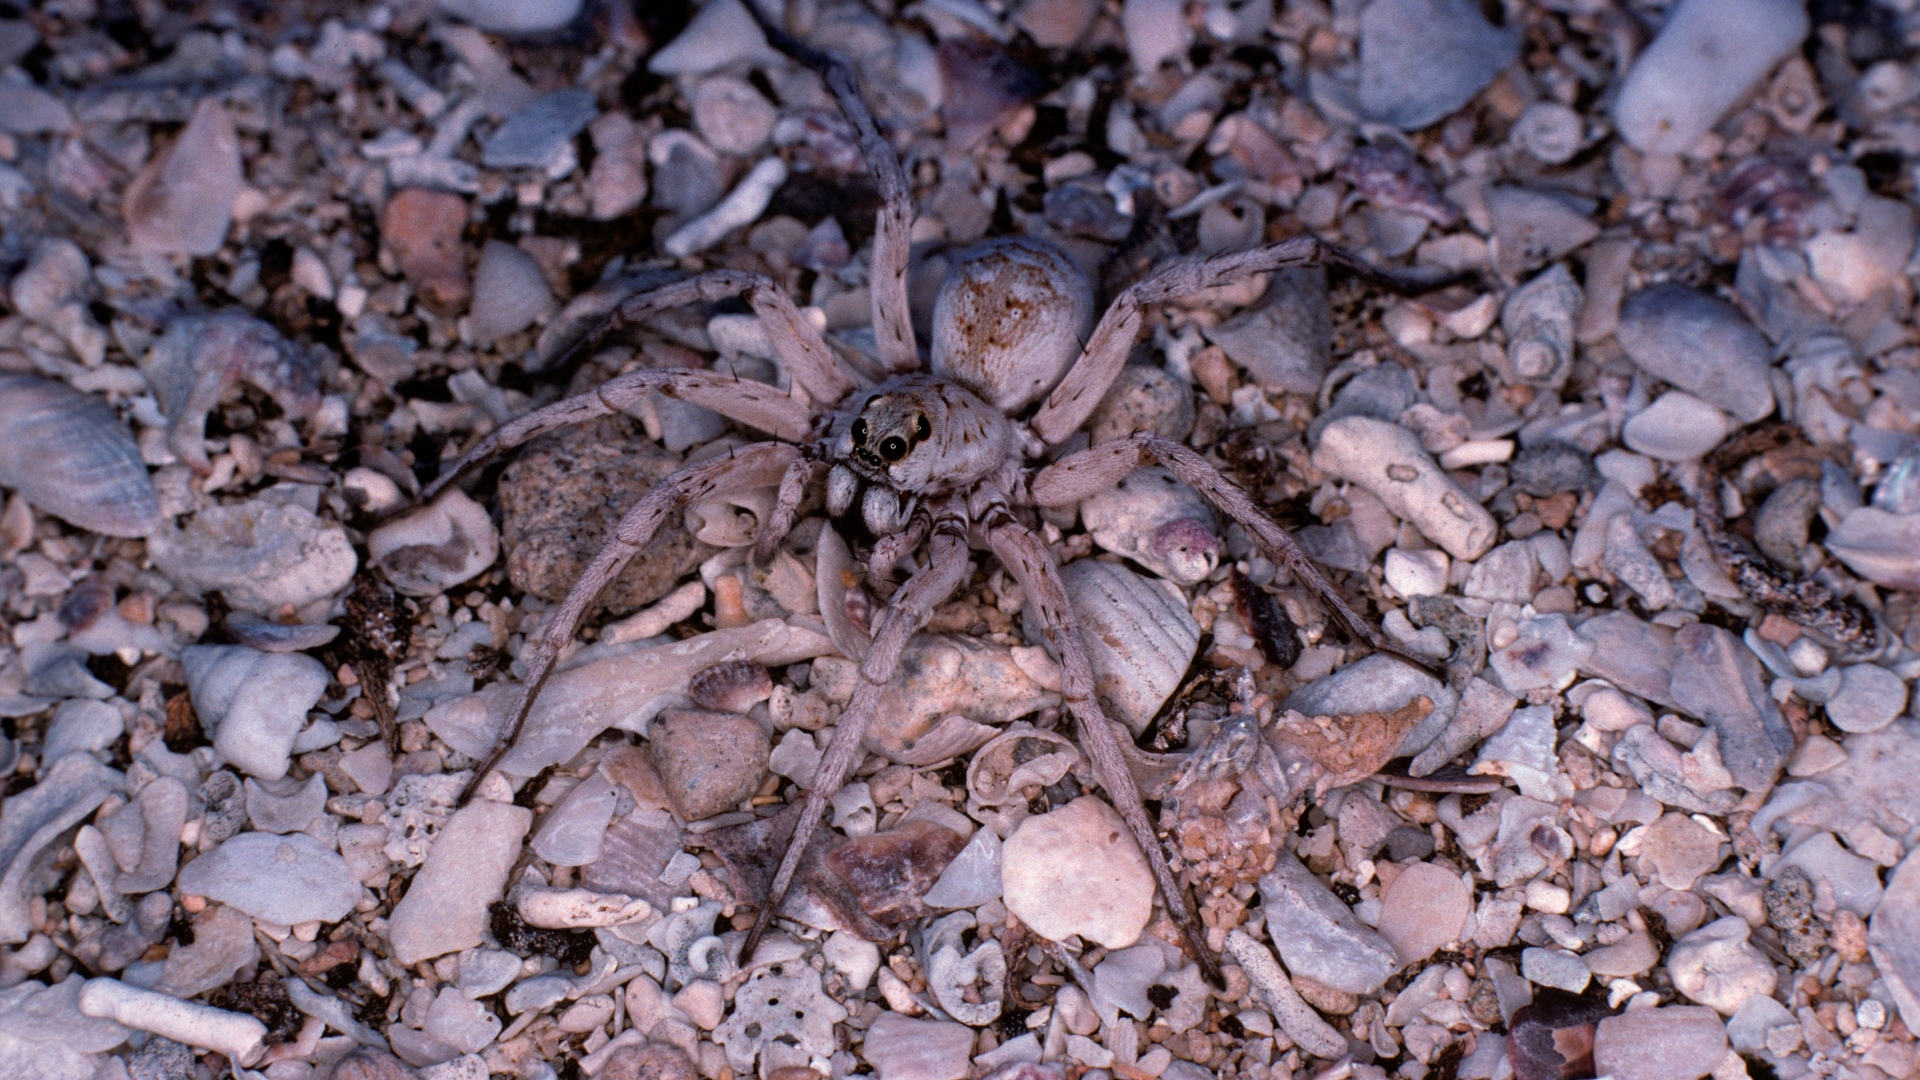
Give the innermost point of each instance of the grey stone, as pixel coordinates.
(253, 703)
(1780, 526)
(1378, 683)
(286, 805)
(280, 879)
(1702, 345)
(68, 791)
(1286, 338)
(445, 909)
(901, 1048)
(1533, 228)
(1557, 968)
(1893, 937)
(1421, 60)
(708, 761)
(1549, 468)
(1870, 697)
(1673, 1042)
(1716, 678)
(1424, 909)
(1718, 967)
(1318, 936)
(535, 136)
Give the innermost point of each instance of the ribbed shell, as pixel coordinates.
(69, 455)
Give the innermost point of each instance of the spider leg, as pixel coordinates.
(1077, 476)
(751, 403)
(749, 467)
(793, 491)
(893, 232)
(1106, 353)
(946, 568)
(1032, 565)
(606, 308)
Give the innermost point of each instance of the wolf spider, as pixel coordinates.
(941, 457)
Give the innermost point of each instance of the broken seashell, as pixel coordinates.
(444, 543)
(1538, 318)
(200, 357)
(1020, 758)
(68, 454)
(953, 973)
(834, 576)
(735, 686)
(1158, 522)
(944, 692)
(1139, 636)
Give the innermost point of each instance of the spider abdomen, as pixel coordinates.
(1010, 319)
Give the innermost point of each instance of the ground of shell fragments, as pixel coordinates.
(268, 265)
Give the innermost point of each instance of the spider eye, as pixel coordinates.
(893, 448)
(860, 432)
(922, 429)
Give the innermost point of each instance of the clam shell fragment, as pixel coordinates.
(1139, 637)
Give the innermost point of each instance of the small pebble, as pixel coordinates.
(1076, 870)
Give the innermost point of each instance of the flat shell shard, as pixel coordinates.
(68, 454)
(182, 202)
(621, 691)
(1344, 749)
(201, 357)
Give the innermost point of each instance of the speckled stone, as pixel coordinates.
(562, 498)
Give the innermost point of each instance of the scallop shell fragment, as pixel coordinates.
(1139, 637)
(68, 454)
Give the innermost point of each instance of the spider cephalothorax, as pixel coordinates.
(931, 454)
(911, 437)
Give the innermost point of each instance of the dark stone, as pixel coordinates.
(1550, 468)
(1552, 1039)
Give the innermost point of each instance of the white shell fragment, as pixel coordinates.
(1387, 460)
(182, 202)
(621, 691)
(1158, 522)
(1010, 319)
(1538, 318)
(236, 1035)
(567, 909)
(449, 541)
(1709, 54)
(68, 454)
(1139, 636)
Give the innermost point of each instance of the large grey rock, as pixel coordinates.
(1702, 345)
(1716, 678)
(1285, 339)
(1708, 56)
(1893, 937)
(279, 879)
